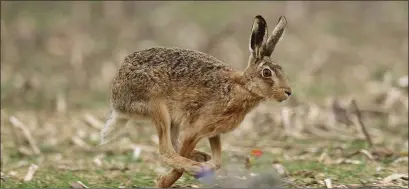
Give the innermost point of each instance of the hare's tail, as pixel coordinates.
(112, 125)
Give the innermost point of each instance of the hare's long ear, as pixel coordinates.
(276, 36)
(258, 36)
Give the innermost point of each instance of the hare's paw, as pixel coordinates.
(162, 182)
(216, 164)
(167, 180)
(200, 156)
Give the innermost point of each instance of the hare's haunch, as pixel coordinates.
(195, 95)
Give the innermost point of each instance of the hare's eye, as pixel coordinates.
(266, 73)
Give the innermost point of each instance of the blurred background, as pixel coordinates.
(58, 58)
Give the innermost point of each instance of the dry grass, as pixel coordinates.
(59, 57)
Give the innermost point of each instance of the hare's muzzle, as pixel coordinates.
(283, 94)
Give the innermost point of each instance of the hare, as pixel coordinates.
(189, 95)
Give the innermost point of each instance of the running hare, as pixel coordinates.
(195, 95)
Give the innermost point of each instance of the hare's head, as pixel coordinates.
(265, 77)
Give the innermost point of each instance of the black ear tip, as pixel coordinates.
(259, 17)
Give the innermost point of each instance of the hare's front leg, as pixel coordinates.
(216, 146)
(215, 158)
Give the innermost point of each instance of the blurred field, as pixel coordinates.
(57, 60)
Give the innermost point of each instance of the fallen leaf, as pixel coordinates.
(256, 152)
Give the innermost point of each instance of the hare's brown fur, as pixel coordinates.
(192, 93)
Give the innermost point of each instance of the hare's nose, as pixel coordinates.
(287, 91)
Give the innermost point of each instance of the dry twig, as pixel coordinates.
(69, 168)
(93, 122)
(79, 142)
(393, 177)
(30, 173)
(361, 123)
(361, 151)
(16, 123)
(78, 184)
(328, 183)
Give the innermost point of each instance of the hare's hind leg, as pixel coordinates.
(161, 119)
(174, 135)
(165, 181)
(115, 122)
(196, 155)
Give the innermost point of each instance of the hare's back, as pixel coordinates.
(162, 70)
(173, 58)
(178, 65)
